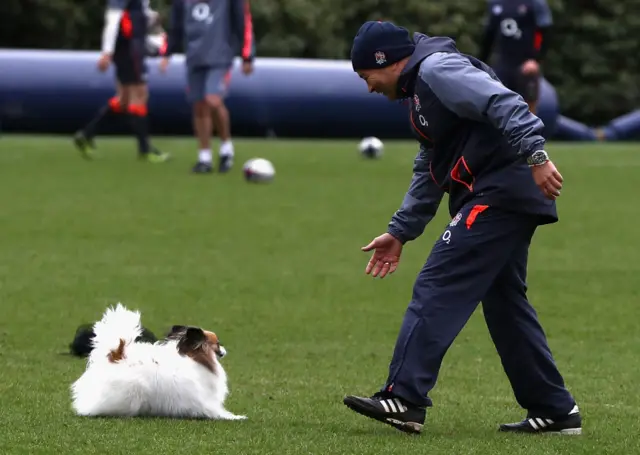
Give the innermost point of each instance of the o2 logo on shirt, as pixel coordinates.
(201, 12)
(509, 27)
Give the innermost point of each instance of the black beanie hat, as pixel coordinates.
(380, 44)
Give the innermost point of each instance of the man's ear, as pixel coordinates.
(192, 340)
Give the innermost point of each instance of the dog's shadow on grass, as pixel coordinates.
(377, 430)
(72, 356)
(348, 430)
(143, 418)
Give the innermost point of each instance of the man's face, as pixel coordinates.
(382, 80)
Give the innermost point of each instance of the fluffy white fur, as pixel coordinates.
(151, 379)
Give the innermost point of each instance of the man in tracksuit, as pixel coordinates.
(520, 31)
(480, 144)
(212, 33)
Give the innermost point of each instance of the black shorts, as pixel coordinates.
(527, 85)
(129, 60)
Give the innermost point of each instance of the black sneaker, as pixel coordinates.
(570, 425)
(391, 410)
(85, 145)
(202, 168)
(225, 163)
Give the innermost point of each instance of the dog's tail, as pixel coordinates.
(118, 328)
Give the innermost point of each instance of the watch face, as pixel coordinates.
(538, 157)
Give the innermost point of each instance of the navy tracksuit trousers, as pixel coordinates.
(481, 256)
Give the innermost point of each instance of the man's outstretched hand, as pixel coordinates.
(386, 255)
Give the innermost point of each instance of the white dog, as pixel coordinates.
(180, 376)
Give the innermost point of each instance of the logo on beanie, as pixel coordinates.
(380, 57)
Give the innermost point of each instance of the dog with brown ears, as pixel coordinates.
(180, 376)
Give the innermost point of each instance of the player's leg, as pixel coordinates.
(216, 90)
(134, 78)
(202, 118)
(528, 85)
(113, 110)
(507, 75)
(524, 352)
(460, 269)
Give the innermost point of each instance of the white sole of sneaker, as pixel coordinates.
(565, 432)
(571, 431)
(408, 427)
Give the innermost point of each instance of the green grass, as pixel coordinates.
(276, 270)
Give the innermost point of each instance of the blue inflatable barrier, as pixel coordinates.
(59, 91)
(548, 108)
(572, 130)
(624, 127)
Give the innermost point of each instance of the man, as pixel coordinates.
(480, 144)
(214, 32)
(124, 43)
(521, 30)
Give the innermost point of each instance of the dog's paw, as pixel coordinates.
(226, 415)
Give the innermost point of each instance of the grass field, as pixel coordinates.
(276, 270)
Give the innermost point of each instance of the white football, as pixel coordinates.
(371, 147)
(258, 170)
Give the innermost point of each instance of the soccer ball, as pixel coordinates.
(371, 147)
(258, 170)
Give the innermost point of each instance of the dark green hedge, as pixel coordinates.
(594, 62)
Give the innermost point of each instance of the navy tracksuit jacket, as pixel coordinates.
(474, 138)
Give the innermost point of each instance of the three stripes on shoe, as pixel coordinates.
(538, 423)
(393, 405)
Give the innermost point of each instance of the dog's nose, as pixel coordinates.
(222, 352)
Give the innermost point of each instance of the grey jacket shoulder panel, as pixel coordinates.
(472, 93)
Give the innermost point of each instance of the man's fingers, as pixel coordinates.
(370, 246)
(384, 269)
(554, 182)
(558, 176)
(547, 190)
(380, 268)
(552, 192)
(552, 189)
(553, 186)
(387, 268)
(370, 265)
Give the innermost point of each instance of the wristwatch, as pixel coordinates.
(538, 158)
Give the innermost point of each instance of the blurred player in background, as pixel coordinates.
(126, 43)
(520, 30)
(212, 33)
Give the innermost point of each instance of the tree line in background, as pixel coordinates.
(593, 62)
